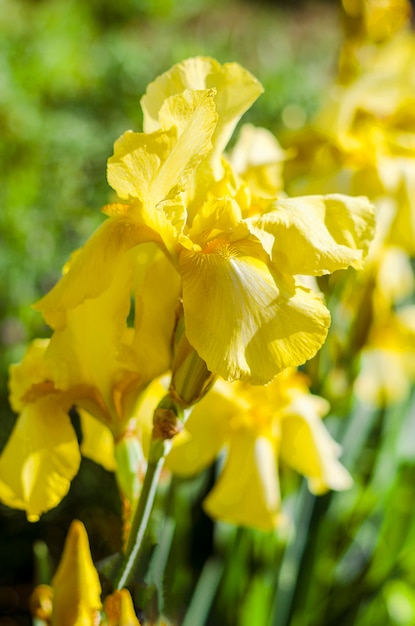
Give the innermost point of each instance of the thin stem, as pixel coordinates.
(142, 513)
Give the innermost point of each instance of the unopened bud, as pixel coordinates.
(191, 379)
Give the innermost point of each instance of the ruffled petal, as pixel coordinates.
(236, 90)
(247, 491)
(154, 167)
(316, 234)
(40, 459)
(245, 319)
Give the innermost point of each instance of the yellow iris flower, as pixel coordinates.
(245, 314)
(257, 426)
(189, 239)
(97, 363)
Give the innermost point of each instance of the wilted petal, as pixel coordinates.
(40, 459)
(247, 490)
(316, 234)
(246, 321)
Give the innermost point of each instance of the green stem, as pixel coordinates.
(142, 513)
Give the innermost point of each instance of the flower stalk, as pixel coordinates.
(167, 422)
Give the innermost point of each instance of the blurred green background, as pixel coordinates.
(71, 77)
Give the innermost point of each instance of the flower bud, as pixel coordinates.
(76, 587)
(191, 379)
(119, 609)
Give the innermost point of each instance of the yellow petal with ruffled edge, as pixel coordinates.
(245, 319)
(93, 267)
(247, 491)
(236, 90)
(40, 459)
(307, 446)
(76, 586)
(153, 167)
(316, 234)
(97, 441)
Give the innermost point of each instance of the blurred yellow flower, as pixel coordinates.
(387, 369)
(258, 427)
(119, 609)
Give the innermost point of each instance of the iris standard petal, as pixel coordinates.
(236, 89)
(153, 167)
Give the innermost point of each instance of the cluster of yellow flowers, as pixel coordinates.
(179, 326)
(206, 254)
(363, 142)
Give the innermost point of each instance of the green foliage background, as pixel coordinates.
(71, 77)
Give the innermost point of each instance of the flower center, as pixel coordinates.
(220, 246)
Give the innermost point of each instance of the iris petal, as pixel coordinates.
(40, 459)
(245, 319)
(247, 490)
(316, 234)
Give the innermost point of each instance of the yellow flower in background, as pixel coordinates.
(119, 609)
(258, 159)
(387, 369)
(367, 24)
(259, 427)
(244, 313)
